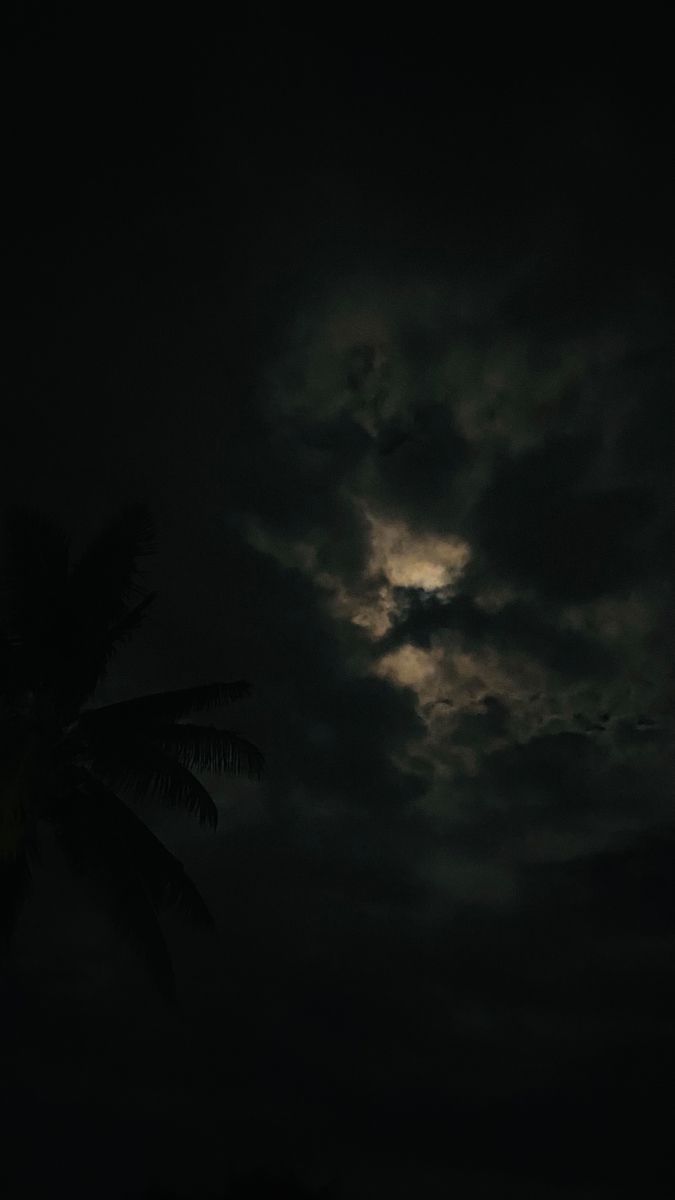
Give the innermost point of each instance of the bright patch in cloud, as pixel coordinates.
(415, 560)
(409, 666)
(399, 558)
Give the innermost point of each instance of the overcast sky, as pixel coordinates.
(380, 327)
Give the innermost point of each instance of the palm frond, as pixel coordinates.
(106, 576)
(128, 624)
(137, 921)
(66, 627)
(206, 748)
(119, 890)
(60, 626)
(105, 818)
(142, 770)
(89, 662)
(160, 707)
(134, 875)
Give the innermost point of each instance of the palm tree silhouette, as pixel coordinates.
(74, 766)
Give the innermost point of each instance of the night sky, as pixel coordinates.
(378, 321)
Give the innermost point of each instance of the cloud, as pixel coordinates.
(456, 491)
(518, 625)
(538, 523)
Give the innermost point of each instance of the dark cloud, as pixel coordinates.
(646, 442)
(629, 887)
(479, 728)
(520, 626)
(553, 773)
(418, 477)
(540, 524)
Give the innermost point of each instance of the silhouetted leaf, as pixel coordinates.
(66, 766)
(159, 707)
(143, 770)
(132, 873)
(207, 748)
(106, 576)
(90, 665)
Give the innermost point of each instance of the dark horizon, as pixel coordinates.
(379, 326)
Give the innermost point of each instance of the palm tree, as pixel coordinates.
(80, 768)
